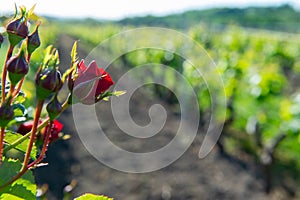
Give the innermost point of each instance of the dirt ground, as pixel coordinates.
(215, 177)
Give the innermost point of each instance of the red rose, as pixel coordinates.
(90, 82)
(56, 129)
(26, 127)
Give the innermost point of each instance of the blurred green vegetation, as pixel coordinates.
(274, 18)
(260, 69)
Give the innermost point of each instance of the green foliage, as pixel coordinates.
(11, 137)
(23, 188)
(93, 197)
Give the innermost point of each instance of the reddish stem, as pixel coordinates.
(4, 73)
(28, 58)
(32, 139)
(17, 90)
(2, 134)
(44, 148)
(11, 93)
(38, 160)
(25, 169)
(3, 81)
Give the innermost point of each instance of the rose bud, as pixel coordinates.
(1, 39)
(17, 67)
(33, 41)
(48, 80)
(6, 114)
(54, 108)
(90, 82)
(17, 30)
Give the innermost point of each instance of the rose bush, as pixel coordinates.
(32, 136)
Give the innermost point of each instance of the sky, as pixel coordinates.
(118, 9)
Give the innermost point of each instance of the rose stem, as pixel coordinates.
(39, 159)
(23, 138)
(2, 134)
(44, 148)
(4, 73)
(24, 169)
(38, 110)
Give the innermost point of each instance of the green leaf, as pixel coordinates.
(20, 98)
(19, 110)
(48, 55)
(31, 11)
(93, 197)
(118, 93)
(22, 10)
(105, 95)
(10, 137)
(16, 11)
(74, 52)
(23, 188)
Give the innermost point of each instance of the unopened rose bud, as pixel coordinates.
(17, 67)
(48, 80)
(6, 114)
(54, 108)
(33, 41)
(17, 31)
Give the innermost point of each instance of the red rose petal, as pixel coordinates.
(91, 82)
(81, 67)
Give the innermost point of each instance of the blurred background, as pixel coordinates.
(256, 48)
